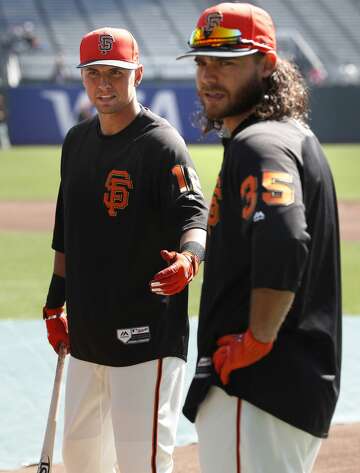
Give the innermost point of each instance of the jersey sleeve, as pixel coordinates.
(273, 214)
(183, 201)
(58, 233)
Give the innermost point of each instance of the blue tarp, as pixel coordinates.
(27, 367)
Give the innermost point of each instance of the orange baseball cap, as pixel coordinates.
(110, 47)
(231, 30)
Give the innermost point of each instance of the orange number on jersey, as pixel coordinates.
(248, 192)
(178, 172)
(279, 192)
(214, 211)
(186, 180)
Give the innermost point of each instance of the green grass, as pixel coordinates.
(350, 256)
(194, 293)
(29, 173)
(32, 173)
(207, 161)
(25, 271)
(345, 164)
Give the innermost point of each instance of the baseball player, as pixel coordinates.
(129, 235)
(269, 340)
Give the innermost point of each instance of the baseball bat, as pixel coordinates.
(45, 464)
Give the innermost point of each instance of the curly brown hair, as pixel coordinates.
(285, 95)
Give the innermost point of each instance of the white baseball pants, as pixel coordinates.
(122, 415)
(237, 437)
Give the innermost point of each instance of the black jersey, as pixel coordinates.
(122, 199)
(273, 223)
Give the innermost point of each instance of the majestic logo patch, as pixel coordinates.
(134, 335)
(212, 20)
(116, 198)
(105, 43)
(258, 216)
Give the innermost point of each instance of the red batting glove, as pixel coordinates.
(57, 327)
(237, 351)
(173, 279)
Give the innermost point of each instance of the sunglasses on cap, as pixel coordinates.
(222, 37)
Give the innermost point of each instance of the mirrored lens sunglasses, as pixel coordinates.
(220, 36)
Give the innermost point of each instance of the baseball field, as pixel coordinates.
(29, 178)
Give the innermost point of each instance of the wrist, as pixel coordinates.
(56, 294)
(193, 260)
(255, 345)
(49, 314)
(195, 249)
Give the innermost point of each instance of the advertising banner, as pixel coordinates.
(43, 115)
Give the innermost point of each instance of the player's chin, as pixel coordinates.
(106, 104)
(213, 113)
(106, 110)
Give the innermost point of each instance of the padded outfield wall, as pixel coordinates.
(43, 114)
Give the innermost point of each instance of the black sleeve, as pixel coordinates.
(58, 233)
(183, 201)
(273, 214)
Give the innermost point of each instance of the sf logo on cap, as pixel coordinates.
(212, 21)
(105, 43)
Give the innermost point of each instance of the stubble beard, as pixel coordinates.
(244, 101)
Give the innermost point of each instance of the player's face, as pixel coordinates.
(229, 88)
(110, 89)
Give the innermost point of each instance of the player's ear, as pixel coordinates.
(269, 63)
(139, 72)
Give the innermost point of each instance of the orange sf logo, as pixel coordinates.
(117, 195)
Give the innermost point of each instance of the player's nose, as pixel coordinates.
(104, 82)
(207, 75)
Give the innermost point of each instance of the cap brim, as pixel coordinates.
(107, 62)
(218, 53)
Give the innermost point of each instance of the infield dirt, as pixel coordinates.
(39, 216)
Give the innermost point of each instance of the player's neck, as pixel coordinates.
(231, 123)
(112, 123)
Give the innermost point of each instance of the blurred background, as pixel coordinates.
(39, 42)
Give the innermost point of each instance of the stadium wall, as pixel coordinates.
(43, 114)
